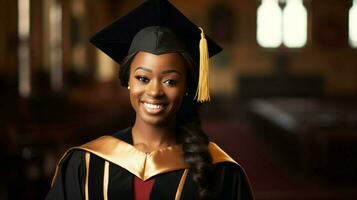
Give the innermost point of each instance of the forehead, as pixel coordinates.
(159, 62)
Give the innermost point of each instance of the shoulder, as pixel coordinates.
(102, 145)
(218, 155)
(230, 174)
(232, 182)
(74, 159)
(73, 156)
(72, 162)
(223, 162)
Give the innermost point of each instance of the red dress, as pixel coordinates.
(142, 188)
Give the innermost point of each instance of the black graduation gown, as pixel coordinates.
(76, 178)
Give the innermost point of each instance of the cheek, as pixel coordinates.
(177, 95)
(133, 91)
(134, 95)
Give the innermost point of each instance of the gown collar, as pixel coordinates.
(118, 149)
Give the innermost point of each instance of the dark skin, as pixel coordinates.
(157, 86)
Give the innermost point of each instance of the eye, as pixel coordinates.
(142, 79)
(171, 82)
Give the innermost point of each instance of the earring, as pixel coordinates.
(128, 87)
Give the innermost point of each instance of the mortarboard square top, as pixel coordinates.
(155, 26)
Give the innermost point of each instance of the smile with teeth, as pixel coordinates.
(153, 107)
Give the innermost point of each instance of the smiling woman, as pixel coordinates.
(158, 85)
(165, 154)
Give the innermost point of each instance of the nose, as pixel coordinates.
(154, 89)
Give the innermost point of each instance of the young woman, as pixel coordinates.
(165, 154)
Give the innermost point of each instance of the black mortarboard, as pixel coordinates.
(158, 27)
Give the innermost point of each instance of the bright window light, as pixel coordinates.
(24, 85)
(269, 24)
(294, 24)
(55, 39)
(352, 25)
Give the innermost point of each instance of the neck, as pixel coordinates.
(149, 138)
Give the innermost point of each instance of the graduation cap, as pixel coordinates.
(157, 27)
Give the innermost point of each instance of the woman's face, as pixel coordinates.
(157, 86)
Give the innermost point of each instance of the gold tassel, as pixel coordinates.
(202, 93)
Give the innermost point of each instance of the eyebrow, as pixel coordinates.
(143, 68)
(163, 72)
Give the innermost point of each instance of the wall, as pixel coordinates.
(327, 52)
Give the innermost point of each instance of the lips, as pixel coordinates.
(153, 108)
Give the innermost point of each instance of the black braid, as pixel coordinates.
(189, 131)
(195, 150)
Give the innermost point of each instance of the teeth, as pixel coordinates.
(152, 106)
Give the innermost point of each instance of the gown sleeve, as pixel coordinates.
(69, 183)
(232, 183)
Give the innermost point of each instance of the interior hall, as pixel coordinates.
(283, 91)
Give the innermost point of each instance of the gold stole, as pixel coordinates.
(143, 165)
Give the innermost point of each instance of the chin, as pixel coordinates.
(157, 120)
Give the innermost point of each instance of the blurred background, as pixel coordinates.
(284, 90)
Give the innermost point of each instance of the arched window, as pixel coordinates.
(276, 26)
(352, 25)
(269, 24)
(294, 24)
